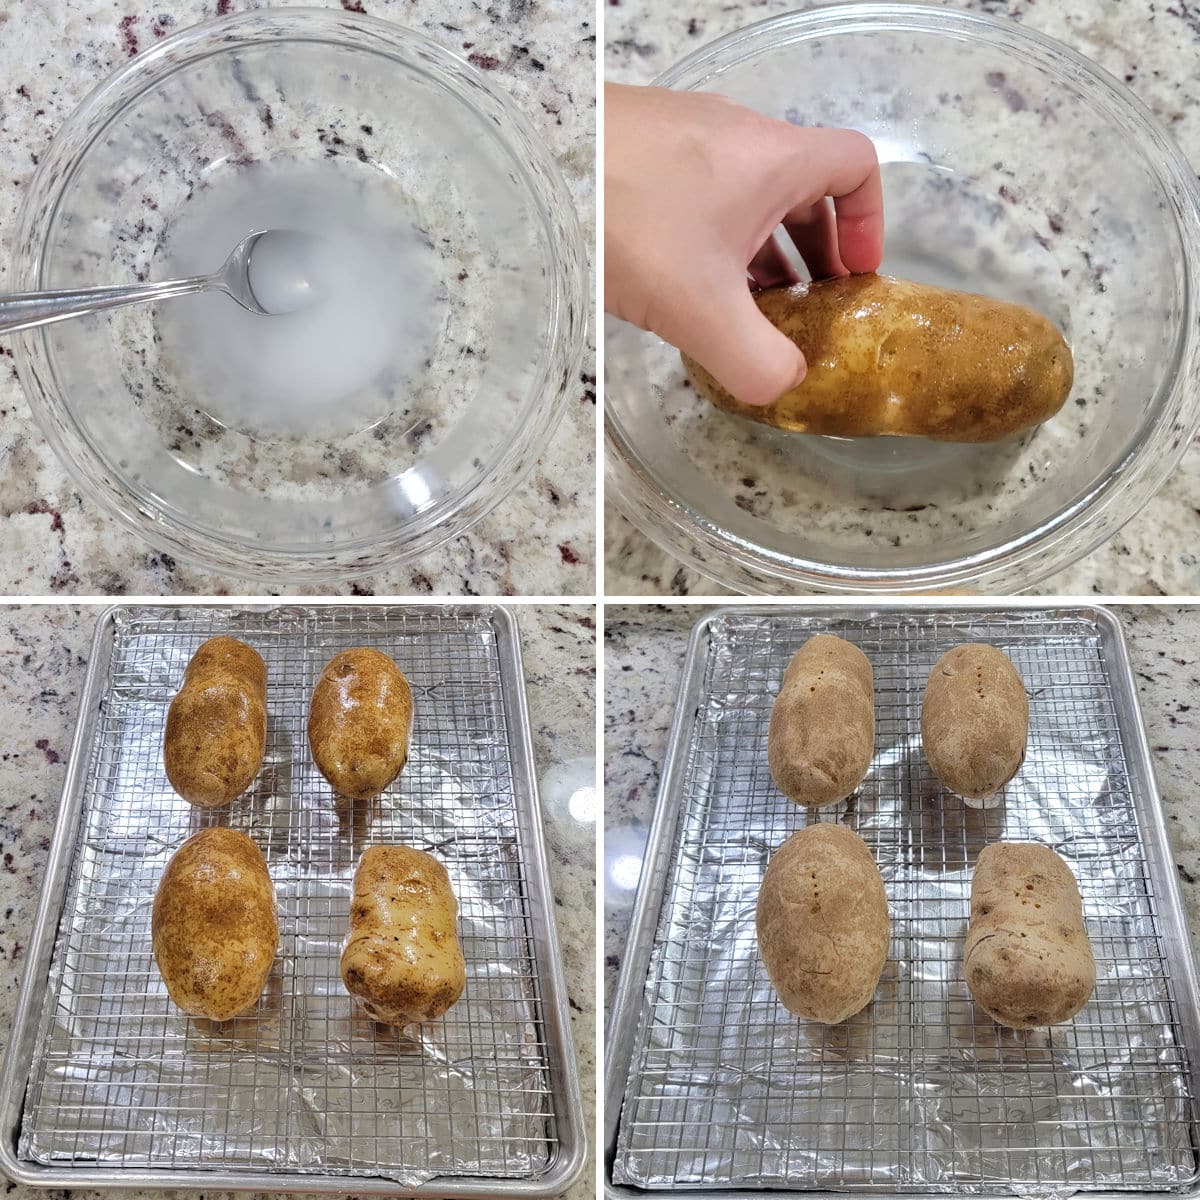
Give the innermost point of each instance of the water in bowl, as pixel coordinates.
(336, 367)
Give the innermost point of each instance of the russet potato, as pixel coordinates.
(887, 356)
(359, 722)
(823, 924)
(975, 720)
(216, 731)
(1027, 960)
(214, 926)
(822, 731)
(402, 961)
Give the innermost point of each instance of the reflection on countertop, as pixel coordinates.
(644, 654)
(540, 541)
(44, 652)
(1153, 49)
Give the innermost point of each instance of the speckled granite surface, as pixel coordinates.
(538, 542)
(1152, 46)
(644, 654)
(43, 659)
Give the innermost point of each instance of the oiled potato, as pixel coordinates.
(402, 961)
(886, 356)
(214, 925)
(823, 925)
(1028, 961)
(359, 722)
(975, 720)
(822, 732)
(217, 725)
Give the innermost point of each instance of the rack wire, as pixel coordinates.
(922, 1091)
(305, 1082)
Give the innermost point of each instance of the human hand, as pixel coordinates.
(694, 188)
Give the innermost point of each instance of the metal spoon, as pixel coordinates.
(266, 273)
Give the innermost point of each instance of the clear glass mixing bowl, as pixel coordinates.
(1013, 167)
(294, 87)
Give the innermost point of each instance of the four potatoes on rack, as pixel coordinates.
(215, 925)
(822, 914)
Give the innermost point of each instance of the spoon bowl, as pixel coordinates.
(274, 272)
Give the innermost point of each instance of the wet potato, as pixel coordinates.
(214, 926)
(216, 731)
(402, 960)
(359, 722)
(887, 356)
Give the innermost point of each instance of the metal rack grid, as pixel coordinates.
(305, 1082)
(921, 1092)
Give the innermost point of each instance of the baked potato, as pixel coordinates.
(1027, 960)
(822, 731)
(975, 720)
(823, 924)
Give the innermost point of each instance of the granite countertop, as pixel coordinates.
(1152, 46)
(43, 659)
(644, 654)
(540, 541)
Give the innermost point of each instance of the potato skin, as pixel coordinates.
(402, 961)
(822, 731)
(214, 927)
(359, 722)
(1027, 960)
(887, 356)
(823, 923)
(216, 731)
(975, 720)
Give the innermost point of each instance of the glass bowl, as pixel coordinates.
(1012, 167)
(159, 425)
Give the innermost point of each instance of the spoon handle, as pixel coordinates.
(25, 310)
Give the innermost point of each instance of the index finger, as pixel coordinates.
(842, 163)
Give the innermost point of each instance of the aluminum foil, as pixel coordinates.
(306, 1082)
(921, 1091)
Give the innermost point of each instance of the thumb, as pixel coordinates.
(728, 336)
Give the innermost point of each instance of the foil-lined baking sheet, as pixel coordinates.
(922, 1091)
(306, 1082)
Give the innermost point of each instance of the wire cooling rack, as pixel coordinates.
(719, 1087)
(306, 1085)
